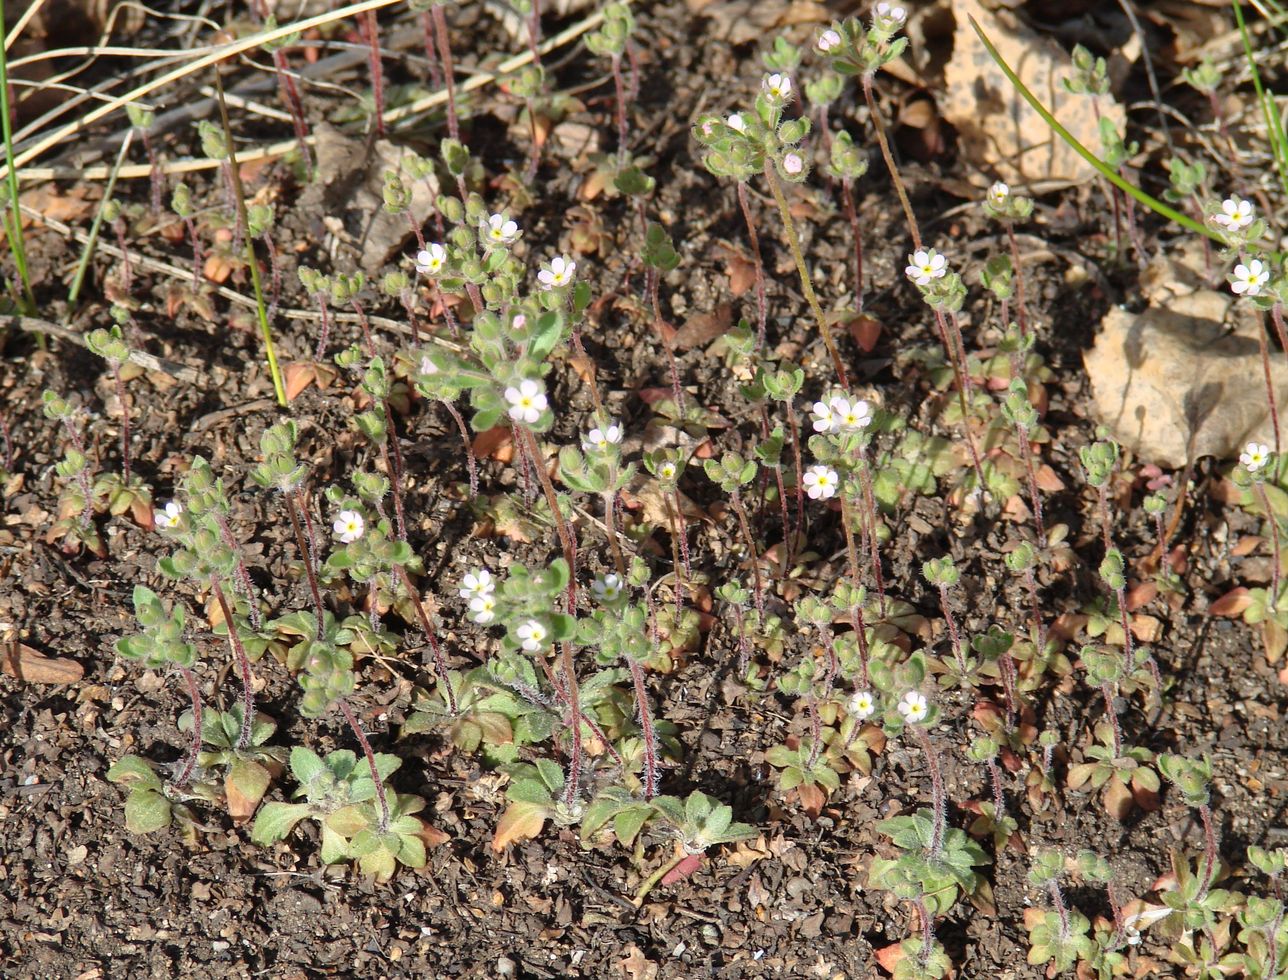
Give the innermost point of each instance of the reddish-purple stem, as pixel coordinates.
(243, 667)
(761, 309)
(361, 736)
(372, 30)
(190, 764)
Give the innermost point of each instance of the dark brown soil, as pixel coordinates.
(82, 898)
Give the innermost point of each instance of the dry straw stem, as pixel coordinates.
(225, 51)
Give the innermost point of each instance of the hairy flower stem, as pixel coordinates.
(619, 91)
(156, 178)
(392, 454)
(807, 287)
(241, 580)
(196, 250)
(651, 277)
(744, 644)
(759, 588)
(1057, 899)
(757, 262)
(962, 383)
(1209, 847)
(427, 28)
(82, 477)
(1270, 385)
(1026, 452)
(127, 270)
(1264, 500)
(243, 666)
(856, 233)
(449, 72)
(365, 324)
(290, 96)
(440, 660)
(680, 531)
(884, 143)
(306, 557)
(870, 510)
(927, 931)
(372, 32)
(1021, 309)
(999, 800)
(794, 426)
(470, 461)
(361, 736)
(194, 693)
(1107, 692)
(125, 422)
(647, 733)
(320, 353)
(953, 636)
(569, 543)
(939, 797)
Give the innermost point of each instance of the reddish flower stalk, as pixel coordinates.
(449, 73)
(647, 733)
(465, 440)
(243, 666)
(372, 31)
(440, 661)
(744, 525)
(125, 422)
(290, 95)
(761, 312)
(190, 764)
(371, 762)
(306, 556)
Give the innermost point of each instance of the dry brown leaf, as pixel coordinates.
(497, 443)
(702, 328)
(521, 821)
(27, 664)
(1048, 480)
(217, 268)
(741, 270)
(866, 331)
(636, 966)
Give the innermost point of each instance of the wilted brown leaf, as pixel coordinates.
(702, 328)
(521, 821)
(27, 664)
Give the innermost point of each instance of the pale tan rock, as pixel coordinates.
(1184, 378)
(1000, 133)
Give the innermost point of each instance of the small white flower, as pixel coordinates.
(777, 87)
(1247, 280)
(431, 260)
(925, 265)
(820, 482)
(793, 164)
(891, 15)
(1254, 456)
(527, 401)
(532, 635)
(599, 439)
(519, 323)
(483, 609)
(499, 230)
(913, 707)
(1236, 213)
(862, 705)
(828, 40)
(168, 517)
(735, 123)
(427, 365)
(349, 526)
(999, 194)
(667, 471)
(824, 419)
(476, 583)
(558, 273)
(607, 588)
(848, 414)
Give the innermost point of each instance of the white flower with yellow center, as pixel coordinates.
(999, 194)
(862, 705)
(1247, 280)
(820, 482)
(777, 87)
(431, 260)
(599, 439)
(483, 609)
(558, 273)
(606, 588)
(527, 401)
(349, 526)
(823, 416)
(925, 265)
(1235, 214)
(499, 230)
(848, 414)
(168, 517)
(1254, 456)
(532, 635)
(667, 471)
(913, 707)
(476, 583)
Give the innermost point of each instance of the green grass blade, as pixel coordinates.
(1274, 122)
(1111, 175)
(13, 220)
(88, 252)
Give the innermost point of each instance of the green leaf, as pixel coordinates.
(276, 820)
(306, 765)
(134, 772)
(146, 811)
